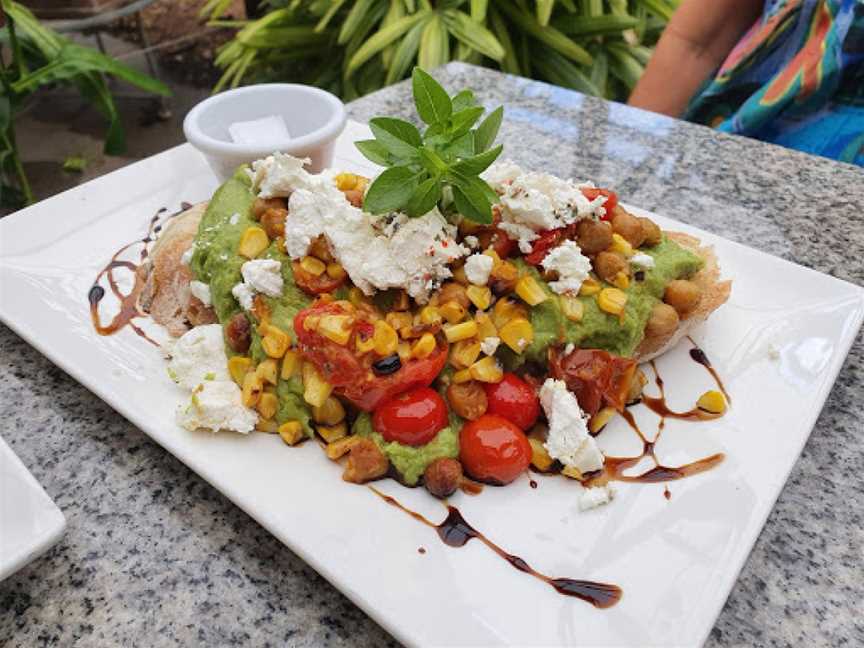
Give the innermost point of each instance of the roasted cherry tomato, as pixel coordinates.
(596, 377)
(545, 242)
(611, 199)
(497, 239)
(514, 400)
(412, 418)
(351, 374)
(494, 450)
(314, 285)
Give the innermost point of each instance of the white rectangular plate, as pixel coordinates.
(779, 344)
(30, 522)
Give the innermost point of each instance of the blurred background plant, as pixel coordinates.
(353, 47)
(32, 57)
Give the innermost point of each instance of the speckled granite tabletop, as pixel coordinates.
(153, 555)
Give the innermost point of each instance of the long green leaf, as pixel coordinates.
(479, 9)
(473, 34)
(484, 136)
(335, 5)
(406, 52)
(548, 35)
(557, 69)
(544, 11)
(354, 19)
(381, 40)
(509, 63)
(658, 8)
(434, 44)
(282, 37)
(623, 65)
(432, 101)
(575, 25)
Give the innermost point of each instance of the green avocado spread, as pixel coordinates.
(215, 262)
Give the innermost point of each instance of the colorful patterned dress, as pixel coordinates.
(796, 78)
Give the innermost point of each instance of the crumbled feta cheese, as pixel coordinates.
(490, 344)
(377, 253)
(522, 234)
(202, 291)
(186, 259)
(642, 260)
(596, 496)
(244, 295)
(478, 267)
(259, 132)
(568, 439)
(198, 356)
(235, 218)
(264, 276)
(280, 174)
(571, 265)
(217, 405)
(471, 241)
(570, 348)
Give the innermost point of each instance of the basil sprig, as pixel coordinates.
(449, 153)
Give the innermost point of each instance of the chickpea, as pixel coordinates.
(593, 236)
(652, 232)
(273, 221)
(365, 462)
(355, 197)
(628, 226)
(682, 295)
(637, 384)
(320, 249)
(609, 264)
(663, 321)
(443, 476)
(239, 333)
(467, 399)
(452, 291)
(261, 205)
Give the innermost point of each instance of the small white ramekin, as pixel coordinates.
(314, 117)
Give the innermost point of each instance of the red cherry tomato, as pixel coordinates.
(350, 373)
(514, 400)
(314, 285)
(545, 242)
(412, 418)
(611, 199)
(492, 449)
(498, 240)
(596, 377)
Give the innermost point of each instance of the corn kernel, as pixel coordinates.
(336, 328)
(316, 390)
(331, 433)
(485, 327)
(346, 181)
(505, 271)
(572, 473)
(253, 242)
(506, 309)
(291, 432)
(621, 280)
(384, 338)
(712, 401)
(480, 296)
(356, 296)
(462, 376)
(290, 362)
(459, 275)
(364, 345)
(487, 370)
(267, 425)
(495, 258)
(572, 307)
(336, 271)
(238, 367)
(612, 301)
(452, 311)
(517, 334)
(310, 323)
(330, 413)
(530, 291)
(621, 245)
(463, 354)
(267, 405)
(399, 320)
(340, 447)
(601, 419)
(267, 370)
(424, 346)
(404, 351)
(252, 389)
(540, 458)
(313, 266)
(275, 341)
(589, 287)
(430, 315)
(463, 331)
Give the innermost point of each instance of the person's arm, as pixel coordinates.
(696, 41)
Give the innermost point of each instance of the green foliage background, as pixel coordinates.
(352, 47)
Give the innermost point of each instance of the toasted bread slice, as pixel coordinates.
(714, 294)
(166, 295)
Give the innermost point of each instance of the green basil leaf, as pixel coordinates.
(463, 120)
(399, 137)
(425, 197)
(462, 100)
(432, 161)
(433, 103)
(462, 147)
(477, 164)
(469, 196)
(487, 131)
(374, 151)
(391, 190)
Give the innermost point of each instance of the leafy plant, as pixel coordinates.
(352, 47)
(41, 57)
(446, 158)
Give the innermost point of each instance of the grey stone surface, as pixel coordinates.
(155, 556)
